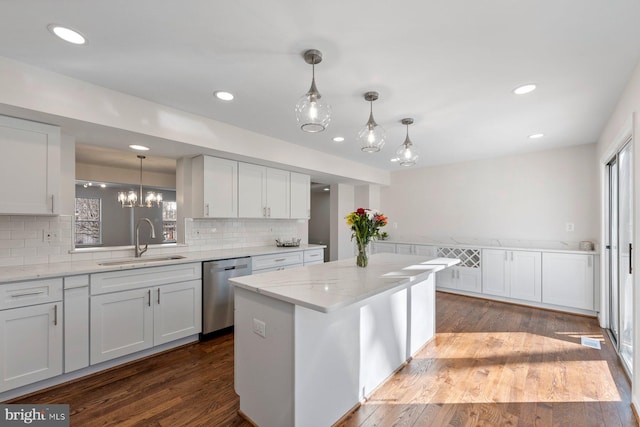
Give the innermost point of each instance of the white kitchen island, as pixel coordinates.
(312, 342)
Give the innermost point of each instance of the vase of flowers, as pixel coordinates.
(365, 226)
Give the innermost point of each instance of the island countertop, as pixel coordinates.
(330, 286)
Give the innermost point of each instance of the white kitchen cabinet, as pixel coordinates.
(263, 192)
(425, 250)
(76, 322)
(314, 256)
(121, 324)
(30, 332)
(383, 247)
(214, 187)
(30, 152)
(460, 278)
(177, 311)
(300, 195)
(133, 310)
(514, 274)
(274, 262)
(404, 249)
(568, 280)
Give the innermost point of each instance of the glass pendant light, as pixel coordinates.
(312, 112)
(372, 135)
(406, 154)
(129, 199)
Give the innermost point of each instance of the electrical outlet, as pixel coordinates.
(260, 328)
(48, 236)
(570, 226)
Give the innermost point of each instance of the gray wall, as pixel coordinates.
(319, 224)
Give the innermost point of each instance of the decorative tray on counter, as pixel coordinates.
(293, 243)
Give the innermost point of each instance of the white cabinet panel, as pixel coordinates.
(425, 250)
(30, 344)
(214, 187)
(514, 274)
(121, 323)
(30, 151)
(468, 279)
(176, 312)
(383, 247)
(568, 280)
(278, 193)
(300, 195)
(314, 256)
(252, 191)
(76, 325)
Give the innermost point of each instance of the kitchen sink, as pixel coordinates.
(142, 260)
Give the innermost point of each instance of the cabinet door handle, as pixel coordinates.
(149, 291)
(206, 206)
(52, 205)
(55, 315)
(630, 258)
(264, 212)
(158, 296)
(26, 294)
(269, 210)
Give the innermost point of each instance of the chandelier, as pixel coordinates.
(129, 199)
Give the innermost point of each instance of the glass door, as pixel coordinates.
(620, 233)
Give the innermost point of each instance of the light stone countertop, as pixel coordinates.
(333, 285)
(61, 269)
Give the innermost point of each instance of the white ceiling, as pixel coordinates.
(451, 65)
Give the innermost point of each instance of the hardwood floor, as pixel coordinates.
(491, 364)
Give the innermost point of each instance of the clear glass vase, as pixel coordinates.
(362, 253)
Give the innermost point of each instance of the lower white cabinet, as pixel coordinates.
(130, 321)
(568, 280)
(459, 278)
(383, 247)
(31, 321)
(137, 317)
(30, 344)
(275, 262)
(314, 256)
(76, 322)
(513, 274)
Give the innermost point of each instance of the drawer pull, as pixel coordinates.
(279, 260)
(312, 255)
(55, 315)
(149, 297)
(26, 294)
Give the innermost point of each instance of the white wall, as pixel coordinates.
(530, 196)
(621, 122)
(320, 221)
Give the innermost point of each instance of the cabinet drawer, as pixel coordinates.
(76, 281)
(21, 294)
(313, 255)
(121, 280)
(276, 260)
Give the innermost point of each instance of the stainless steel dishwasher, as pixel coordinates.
(217, 292)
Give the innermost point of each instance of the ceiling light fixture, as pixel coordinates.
(524, 89)
(312, 112)
(536, 136)
(139, 147)
(338, 139)
(406, 155)
(67, 34)
(372, 135)
(128, 199)
(223, 95)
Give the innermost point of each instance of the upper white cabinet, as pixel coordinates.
(300, 195)
(263, 192)
(514, 274)
(30, 154)
(568, 280)
(214, 187)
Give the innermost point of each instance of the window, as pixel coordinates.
(169, 217)
(88, 221)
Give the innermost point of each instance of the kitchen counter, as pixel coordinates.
(312, 342)
(330, 286)
(479, 243)
(40, 271)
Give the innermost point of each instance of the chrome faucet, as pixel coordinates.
(139, 251)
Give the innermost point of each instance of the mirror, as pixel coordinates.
(100, 220)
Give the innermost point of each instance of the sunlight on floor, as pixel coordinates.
(507, 367)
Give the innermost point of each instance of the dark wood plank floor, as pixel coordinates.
(491, 364)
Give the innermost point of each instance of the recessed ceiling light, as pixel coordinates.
(67, 34)
(326, 189)
(338, 138)
(139, 147)
(395, 159)
(536, 135)
(521, 90)
(224, 96)
(103, 185)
